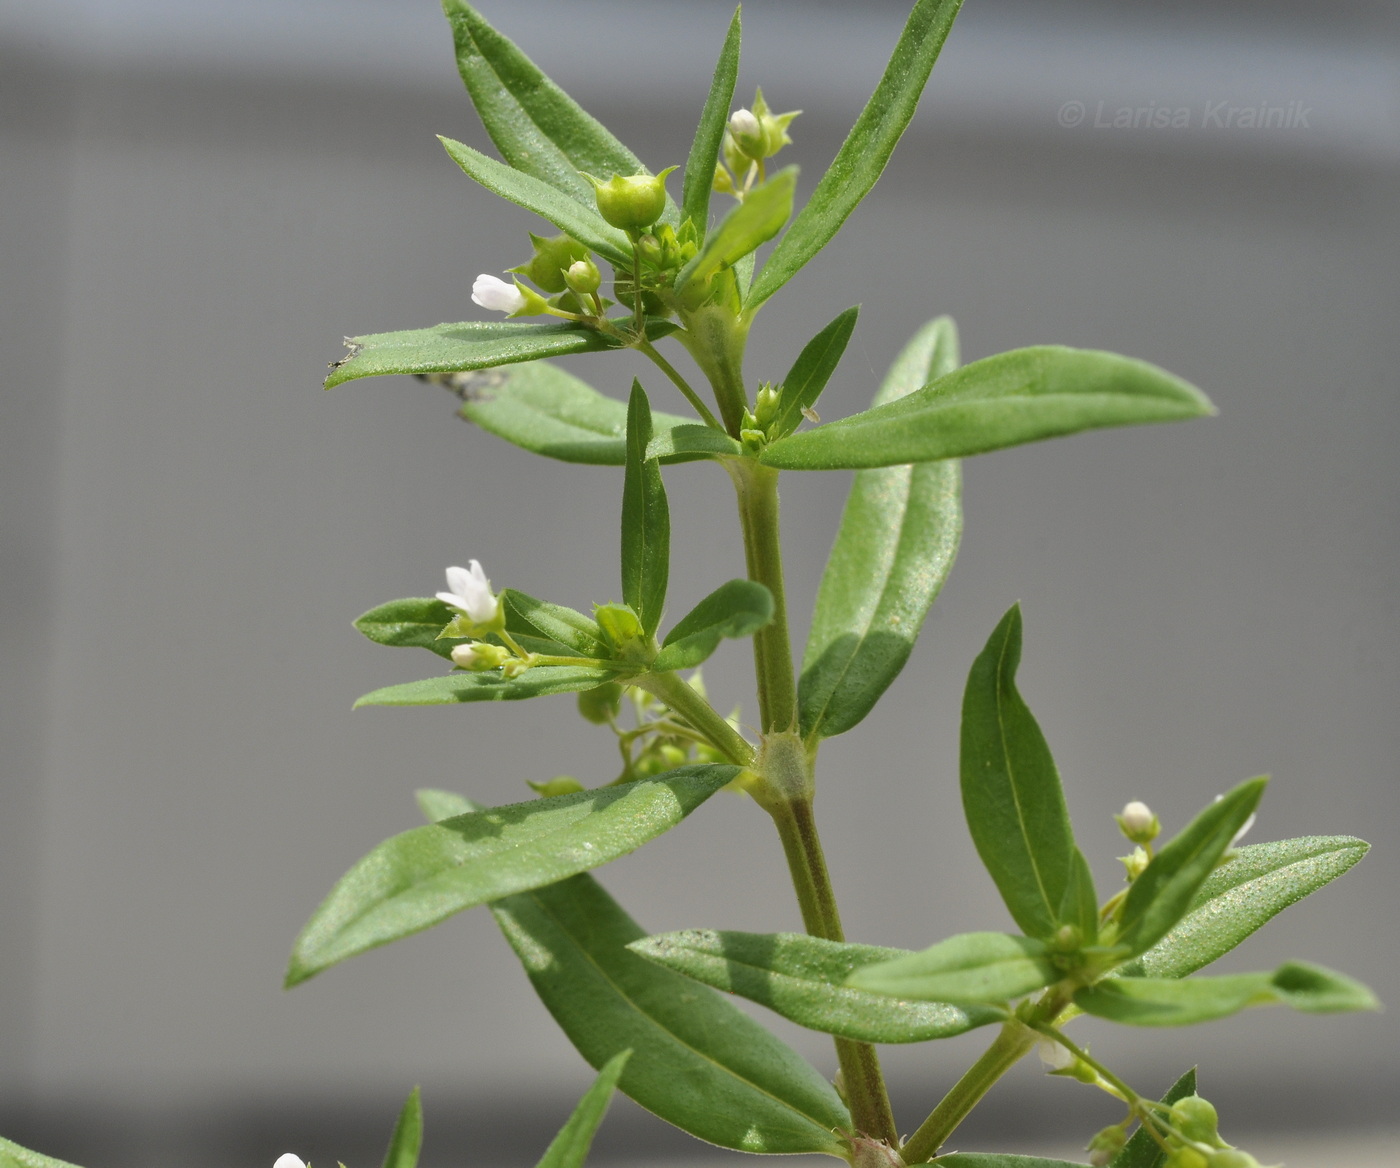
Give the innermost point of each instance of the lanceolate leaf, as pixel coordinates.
(1240, 895)
(970, 967)
(1142, 1151)
(407, 1141)
(1013, 398)
(413, 622)
(704, 150)
(525, 615)
(420, 877)
(580, 222)
(541, 408)
(1151, 1001)
(898, 538)
(736, 609)
(450, 348)
(460, 686)
(697, 1061)
(746, 227)
(804, 979)
(866, 150)
(569, 1149)
(538, 128)
(812, 370)
(1161, 896)
(13, 1156)
(1011, 790)
(646, 520)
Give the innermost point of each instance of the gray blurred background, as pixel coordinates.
(197, 201)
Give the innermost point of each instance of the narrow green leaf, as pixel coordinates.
(738, 608)
(1163, 894)
(541, 408)
(646, 520)
(704, 150)
(803, 978)
(866, 150)
(970, 967)
(1142, 1151)
(746, 227)
(538, 128)
(1022, 396)
(1080, 906)
(460, 686)
(1242, 894)
(468, 345)
(437, 805)
(812, 370)
(574, 219)
(13, 1156)
(407, 1141)
(1011, 789)
(420, 877)
(413, 622)
(1152, 1001)
(697, 1061)
(569, 1149)
(565, 626)
(897, 542)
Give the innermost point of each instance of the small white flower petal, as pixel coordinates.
(470, 590)
(1053, 1056)
(1137, 817)
(288, 1160)
(494, 293)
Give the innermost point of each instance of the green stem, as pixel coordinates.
(715, 337)
(1012, 1044)
(699, 713)
(757, 488)
(860, 1065)
(697, 403)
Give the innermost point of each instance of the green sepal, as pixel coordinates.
(896, 545)
(462, 347)
(746, 227)
(738, 608)
(407, 1141)
(538, 128)
(709, 133)
(541, 408)
(13, 1156)
(420, 877)
(811, 371)
(569, 1149)
(1011, 790)
(538, 681)
(1022, 396)
(1152, 1001)
(866, 150)
(698, 1062)
(646, 520)
(1141, 1150)
(1241, 895)
(1163, 893)
(803, 978)
(577, 220)
(969, 967)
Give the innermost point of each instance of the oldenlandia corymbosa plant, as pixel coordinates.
(650, 1012)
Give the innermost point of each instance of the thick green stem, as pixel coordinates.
(1012, 1044)
(860, 1065)
(715, 338)
(757, 487)
(699, 713)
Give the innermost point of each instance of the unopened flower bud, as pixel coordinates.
(1186, 1158)
(513, 299)
(600, 704)
(619, 624)
(583, 277)
(1136, 864)
(1053, 1056)
(1138, 823)
(631, 202)
(1106, 1144)
(747, 132)
(479, 656)
(559, 785)
(765, 405)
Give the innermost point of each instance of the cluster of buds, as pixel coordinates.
(561, 267)
(755, 429)
(1193, 1140)
(480, 614)
(661, 253)
(660, 741)
(751, 137)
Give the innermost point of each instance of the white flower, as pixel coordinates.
(470, 590)
(1053, 1056)
(288, 1160)
(1137, 818)
(494, 293)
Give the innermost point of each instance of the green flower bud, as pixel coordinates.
(1138, 823)
(1136, 863)
(747, 133)
(766, 405)
(552, 256)
(1186, 1158)
(559, 785)
(723, 183)
(673, 756)
(1106, 1144)
(479, 656)
(1196, 1119)
(583, 277)
(1231, 1158)
(631, 203)
(600, 704)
